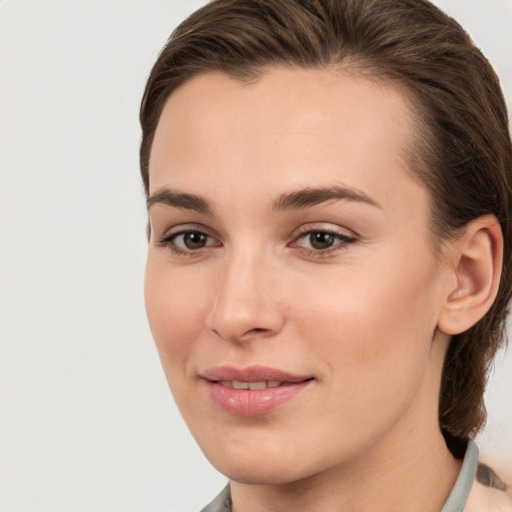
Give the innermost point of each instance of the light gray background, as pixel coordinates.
(86, 420)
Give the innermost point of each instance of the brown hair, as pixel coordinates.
(463, 151)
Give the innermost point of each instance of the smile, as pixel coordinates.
(252, 391)
(235, 384)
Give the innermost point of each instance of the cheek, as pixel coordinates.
(374, 327)
(175, 305)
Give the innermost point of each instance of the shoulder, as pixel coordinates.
(222, 503)
(492, 489)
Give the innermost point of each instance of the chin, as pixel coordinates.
(261, 462)
(250, 465)
(259, 474)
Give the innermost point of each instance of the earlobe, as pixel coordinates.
(477, 260)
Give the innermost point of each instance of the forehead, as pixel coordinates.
(290, 128)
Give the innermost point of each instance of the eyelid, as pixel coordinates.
(344, 239)
(183, 228)
(312, 227)
(166, 240)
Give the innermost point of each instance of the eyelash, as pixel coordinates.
(168, 241)
(343, 240)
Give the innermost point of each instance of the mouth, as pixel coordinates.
(252, 391)
(236, 384)
(256, 374)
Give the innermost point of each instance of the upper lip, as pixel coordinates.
(251, 374)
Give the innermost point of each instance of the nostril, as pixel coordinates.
(256, 330)
(233, 319)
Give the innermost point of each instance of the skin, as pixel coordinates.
(361, 317)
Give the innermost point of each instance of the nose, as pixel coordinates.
(246, 304)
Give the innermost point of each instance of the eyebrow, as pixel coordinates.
(179, 200)
(297, 200)
(314, 196)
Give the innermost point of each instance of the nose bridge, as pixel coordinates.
(245, 304)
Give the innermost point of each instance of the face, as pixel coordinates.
(291, 286)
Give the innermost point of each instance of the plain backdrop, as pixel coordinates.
(87, 423)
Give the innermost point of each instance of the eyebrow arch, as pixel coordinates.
(313, 196)
(179, 200)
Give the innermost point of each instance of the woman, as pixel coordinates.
(329, 194)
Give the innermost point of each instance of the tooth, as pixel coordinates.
(273, 383)
(240, 385)
(257, 385)
(227, 384)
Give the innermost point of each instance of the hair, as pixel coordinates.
(462, 152)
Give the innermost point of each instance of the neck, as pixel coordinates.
(419, 476)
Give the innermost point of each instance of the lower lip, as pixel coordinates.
(253, 402)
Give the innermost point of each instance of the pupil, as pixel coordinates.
(321, 240)
(194, 240)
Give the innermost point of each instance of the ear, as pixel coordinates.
(476, 259)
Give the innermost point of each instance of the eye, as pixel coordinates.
(321, 241)
(191, 240)
(184, 242)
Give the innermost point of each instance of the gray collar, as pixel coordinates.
(460, 492)
(222, 503)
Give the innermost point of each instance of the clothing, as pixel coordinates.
(460, 492)
(455, 502)
(222, 503)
